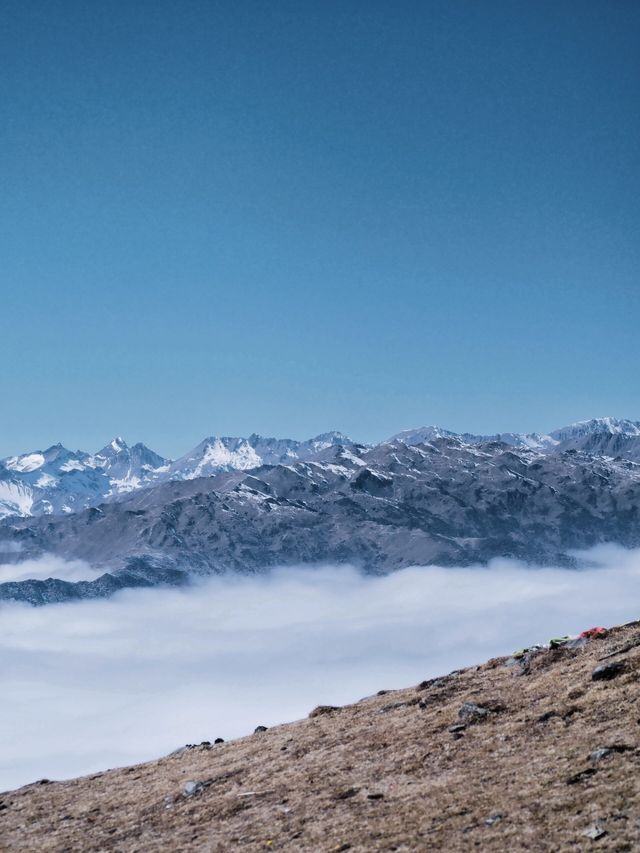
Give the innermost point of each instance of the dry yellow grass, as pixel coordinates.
(385, 774)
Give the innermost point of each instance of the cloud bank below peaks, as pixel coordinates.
(96, 684)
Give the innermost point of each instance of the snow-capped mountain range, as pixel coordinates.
(58, 480)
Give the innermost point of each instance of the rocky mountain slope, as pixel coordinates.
(446, 502)
(538, 753)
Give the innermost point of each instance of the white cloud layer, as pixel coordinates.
(97, 684)
(47, 567)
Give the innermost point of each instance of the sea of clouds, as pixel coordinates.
(96, 684)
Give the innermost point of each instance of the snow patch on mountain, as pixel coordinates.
(25, 464)
(16, 498)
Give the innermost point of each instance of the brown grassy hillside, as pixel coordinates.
(533, 755)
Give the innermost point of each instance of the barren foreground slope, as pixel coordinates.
(535, 754)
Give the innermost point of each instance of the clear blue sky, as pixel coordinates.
(287, 217)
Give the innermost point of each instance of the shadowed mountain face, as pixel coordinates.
(445, 502)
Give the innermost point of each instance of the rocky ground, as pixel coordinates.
(539, 753)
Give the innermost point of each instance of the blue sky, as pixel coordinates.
(290, 217)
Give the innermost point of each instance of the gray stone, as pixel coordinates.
(604, 751)
(192, 787)
(580, 776)
(607, 671)
(595, 832)
(321, 710)
(471, 713)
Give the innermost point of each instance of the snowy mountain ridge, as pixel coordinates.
(60, 481)
(575, 436)
(533, 440)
